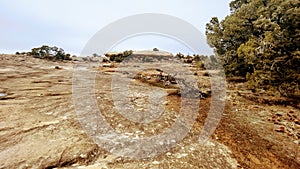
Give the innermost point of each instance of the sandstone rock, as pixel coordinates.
(279, 114)
(107, 65)
(3, 94)
(297, 120)
(155, 162)
(279, 128)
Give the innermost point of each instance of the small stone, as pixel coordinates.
(107, 65)
(181, 155)
(297, 120)
(49, 113)
(296, 141)
(167, 83)
(155, 162)
(83, 155)
(3, 94)
(279, 128)
(51, 127)
(64, 117)
(273, 118)
(57, 67)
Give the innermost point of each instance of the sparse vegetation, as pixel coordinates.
(119, 57)
(155, 49)
(146, 113)
(47, 52)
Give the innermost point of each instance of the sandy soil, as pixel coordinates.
(39, 127)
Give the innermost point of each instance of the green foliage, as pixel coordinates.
(179, 55)
(95, 55)
(50, 53)
(260, 41)
(120, 56)
(155, 49)
(199, 65)
(200, 57)
(236, 4)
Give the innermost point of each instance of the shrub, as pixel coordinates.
(155, 49)
(50, 53)
(120, 56)
(260, 40)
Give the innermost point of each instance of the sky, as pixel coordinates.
(70, 24)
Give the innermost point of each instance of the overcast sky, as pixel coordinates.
(69, 24)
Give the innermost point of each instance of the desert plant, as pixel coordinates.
(50, 53)
(155, 49)
(119, 57)
(260, 40)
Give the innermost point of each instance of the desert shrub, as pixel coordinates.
(205, 74)
(199, 64)
(155, 49)
(179, 55)
(200, 57)
(49, 53)
(120, 56)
